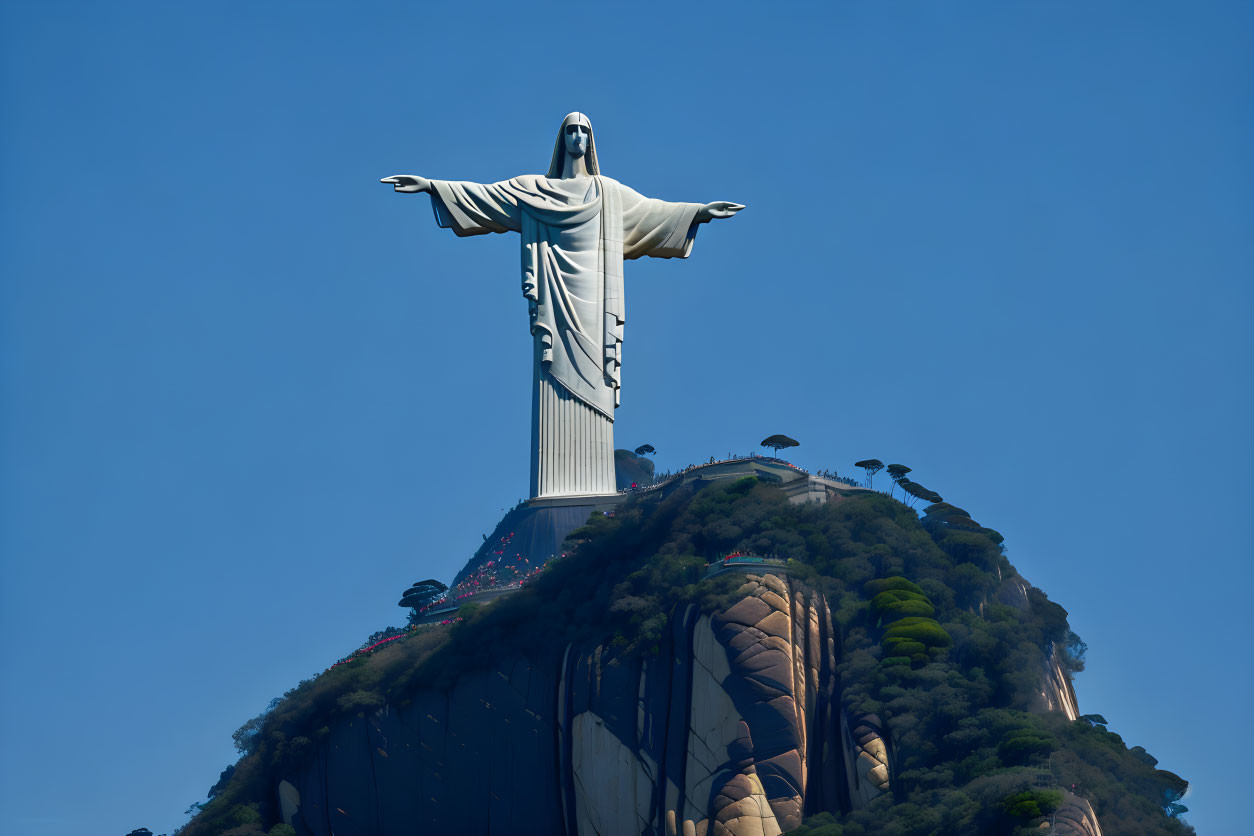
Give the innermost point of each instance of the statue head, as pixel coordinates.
(574, 139)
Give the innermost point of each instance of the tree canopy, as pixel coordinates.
(917, 491)
(422, 593)
(871, 466)
(779, 442)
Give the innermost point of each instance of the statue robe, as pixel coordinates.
(575, 235)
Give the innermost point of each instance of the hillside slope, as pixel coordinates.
(895, 675)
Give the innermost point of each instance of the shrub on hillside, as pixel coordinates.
(900, 603)
(925, 630)
(881, 585)
(1032, 803)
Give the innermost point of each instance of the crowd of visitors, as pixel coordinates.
(833, 475)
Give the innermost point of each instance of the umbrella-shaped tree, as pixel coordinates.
(917, 491)
(896, 472)
(944, 509)
(779, 442)
(871, 466)
(422, 593)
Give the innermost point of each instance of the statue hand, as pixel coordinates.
(718, 209)
(408, 183)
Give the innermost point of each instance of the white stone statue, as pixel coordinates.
(577, 226)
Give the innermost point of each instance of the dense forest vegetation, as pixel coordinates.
(932, 641)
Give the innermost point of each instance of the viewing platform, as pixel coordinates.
(797, 484)
(747, 563)
(447, 609)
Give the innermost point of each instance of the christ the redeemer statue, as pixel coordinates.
(577, 226)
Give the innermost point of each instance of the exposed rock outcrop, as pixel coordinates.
(1074, 818)
(866, 759)
(1057, 692)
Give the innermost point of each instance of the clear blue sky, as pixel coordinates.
(249, 394)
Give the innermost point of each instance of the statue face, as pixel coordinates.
(577, 138)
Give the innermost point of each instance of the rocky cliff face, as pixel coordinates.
(735, 728)
(1057, 693)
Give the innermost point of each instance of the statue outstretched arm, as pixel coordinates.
(661, 229)
(464, 207)
(408, 183)
(713, 211)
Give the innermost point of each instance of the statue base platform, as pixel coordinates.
(532, 532)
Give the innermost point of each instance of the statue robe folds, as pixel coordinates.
(575, 234)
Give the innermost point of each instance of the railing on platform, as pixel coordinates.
(745, 562)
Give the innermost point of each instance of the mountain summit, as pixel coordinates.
(737, 653)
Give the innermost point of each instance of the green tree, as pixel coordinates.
(1074, 651)
(360, 701)
(779, 442)
(896, 472)
(1032, 803)
(422, 593)
(871, 466)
